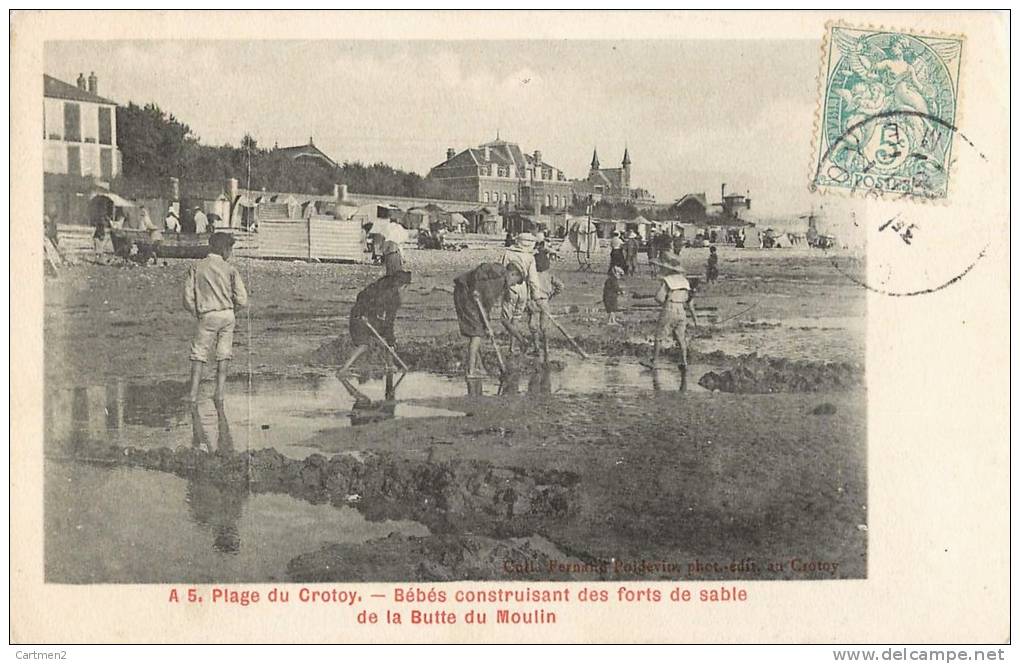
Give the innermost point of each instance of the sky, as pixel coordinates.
(693, 114)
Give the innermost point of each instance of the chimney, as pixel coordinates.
(81, 81)
(538, 159)
(450, 154)
(487, 156)
(722, 195)
(93, 83)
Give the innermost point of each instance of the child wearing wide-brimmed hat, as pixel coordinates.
(674, 295)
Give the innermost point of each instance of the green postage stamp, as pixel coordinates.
(888, 113)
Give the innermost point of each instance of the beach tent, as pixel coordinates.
(416, 218)
(457, 221)
(581, 238)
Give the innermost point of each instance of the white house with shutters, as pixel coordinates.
(79, 130)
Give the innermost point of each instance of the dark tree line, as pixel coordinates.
(155, 145)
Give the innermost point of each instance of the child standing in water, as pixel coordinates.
(212, 291)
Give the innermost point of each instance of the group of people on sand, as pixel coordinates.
(675, 299)
(519, 285)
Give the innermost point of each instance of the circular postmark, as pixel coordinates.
(900, 154)
(912, 249)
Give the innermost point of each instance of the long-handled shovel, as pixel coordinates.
(384, 344)
(492, 335)
(565, 334)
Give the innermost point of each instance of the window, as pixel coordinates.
(72, 122)
(556, 200)
(105, 126)
(548, 200)
(73, 160)
(486, 197)
(504, 197)
(513, 197)
(106, 164)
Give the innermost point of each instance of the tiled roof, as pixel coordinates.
(308, 150)
(501, 153)
(612, 175)
(57, 89)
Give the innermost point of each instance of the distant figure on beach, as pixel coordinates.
(188, 222)
(617, 258)
(653, 249)
(392, 257)
(611, 293)
(712, 270)
(212, 291)
(144, 220)
(631, 249)
(376, 309)
(103, 226)
(171, 224)
(155, 237)
(201, 221)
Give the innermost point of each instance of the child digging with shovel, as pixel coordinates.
(376, 309)
(475, 293)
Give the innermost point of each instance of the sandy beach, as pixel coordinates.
(583, 470)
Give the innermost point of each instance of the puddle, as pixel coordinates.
(131, 525)
(599, 374)
(288, 414)
(280, 413)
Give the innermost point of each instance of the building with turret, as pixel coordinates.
(612, 185)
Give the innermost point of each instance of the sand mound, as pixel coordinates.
(750, 374)
(450, 496)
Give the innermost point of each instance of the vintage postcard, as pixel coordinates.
(510, 326)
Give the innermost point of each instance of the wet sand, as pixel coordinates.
(683, 478)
